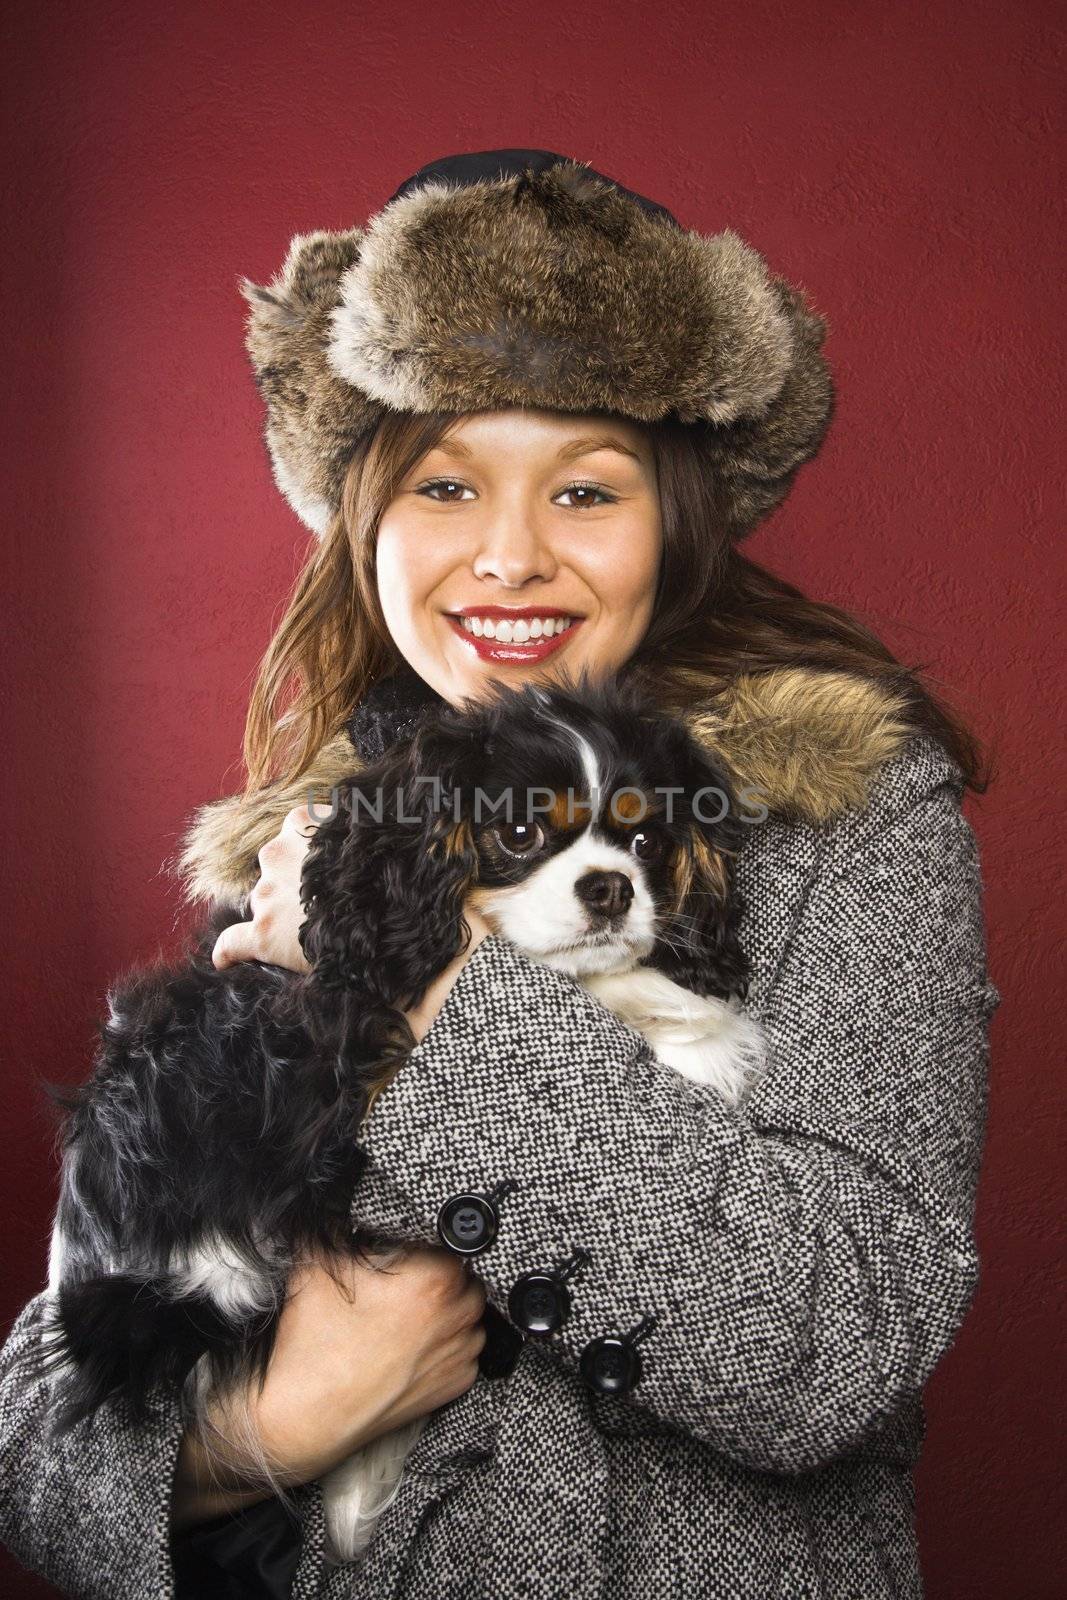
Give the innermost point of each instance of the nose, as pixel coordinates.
(607, 893)
(512, 552)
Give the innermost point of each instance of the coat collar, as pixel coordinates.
(811, 742)
(389, 712)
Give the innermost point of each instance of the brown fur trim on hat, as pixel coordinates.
(811, 742)
(553, 291)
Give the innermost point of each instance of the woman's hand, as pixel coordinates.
(348, 1365)
(275, 904)
(278, 915)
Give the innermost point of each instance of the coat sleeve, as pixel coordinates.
(90, 1510)
(810, 1257)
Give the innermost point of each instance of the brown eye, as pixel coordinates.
(646, 846)
(519, 838)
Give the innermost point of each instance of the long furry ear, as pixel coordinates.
(699, 945)
(385, 878)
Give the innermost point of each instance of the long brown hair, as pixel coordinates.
(716, 614)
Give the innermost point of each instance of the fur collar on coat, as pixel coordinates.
(810, 741)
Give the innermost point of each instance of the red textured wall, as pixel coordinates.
(896, 160)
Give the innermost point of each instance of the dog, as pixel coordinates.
(216, 1141)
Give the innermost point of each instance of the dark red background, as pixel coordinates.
(895, 160)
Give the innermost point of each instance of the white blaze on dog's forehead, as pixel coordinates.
(586, 753)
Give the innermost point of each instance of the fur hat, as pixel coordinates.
(524, 278)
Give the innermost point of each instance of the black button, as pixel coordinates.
(610, 1365)
(538, 1302)
(467, 1223)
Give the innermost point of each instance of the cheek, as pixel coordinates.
(537, 914)
(623, 573)
(408, 570)
(543, 911)
(397, 572)
(393, 572)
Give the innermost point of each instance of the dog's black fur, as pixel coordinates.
(227, 1104)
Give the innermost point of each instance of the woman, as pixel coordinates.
(528, 391)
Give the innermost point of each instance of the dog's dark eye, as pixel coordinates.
(646, 846)
(519, 838)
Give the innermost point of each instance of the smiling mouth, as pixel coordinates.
(500, 634)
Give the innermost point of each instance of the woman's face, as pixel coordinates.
(514, 523)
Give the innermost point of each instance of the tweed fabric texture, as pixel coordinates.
(809, 1259)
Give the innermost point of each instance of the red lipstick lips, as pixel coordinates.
(504, 651)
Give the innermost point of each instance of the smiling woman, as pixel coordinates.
(514, 562)
(530, 419)
(485, 513)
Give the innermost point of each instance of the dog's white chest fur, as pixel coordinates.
(708, 1040)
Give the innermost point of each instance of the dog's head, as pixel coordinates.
(588, 828)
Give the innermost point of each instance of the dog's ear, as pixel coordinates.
(386, 875)
(699, 946)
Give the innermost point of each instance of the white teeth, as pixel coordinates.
(521, 631)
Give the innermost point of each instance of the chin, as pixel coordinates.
(588, 953)
(217, 1139)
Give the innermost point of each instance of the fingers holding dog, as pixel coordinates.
(363, 1349)
(277, 912)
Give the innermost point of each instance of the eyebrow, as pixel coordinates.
(603, 441)
(568, 452)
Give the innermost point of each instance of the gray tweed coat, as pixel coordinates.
(809, 1260)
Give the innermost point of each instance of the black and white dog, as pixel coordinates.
(216, 1141)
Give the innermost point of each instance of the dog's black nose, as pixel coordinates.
(607, 893)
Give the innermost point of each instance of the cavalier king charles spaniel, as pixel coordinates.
(217, 1140)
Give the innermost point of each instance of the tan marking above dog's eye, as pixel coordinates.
(567, 811)
(628, 806)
